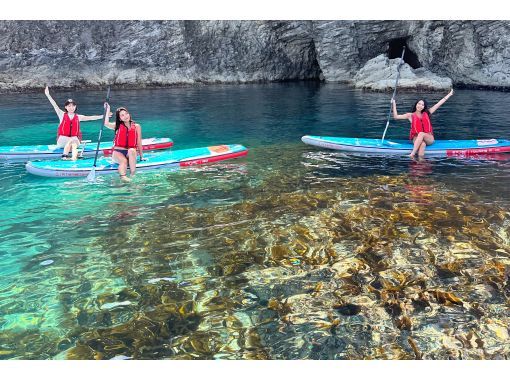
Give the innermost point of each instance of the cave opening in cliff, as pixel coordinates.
(395, 51)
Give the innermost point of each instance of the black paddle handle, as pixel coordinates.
(102, 125)
(394, 92)
(398, 72)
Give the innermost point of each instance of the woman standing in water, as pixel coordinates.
(68, 132)
(421, 128)
(128, 139)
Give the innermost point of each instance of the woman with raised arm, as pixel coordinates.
(68, 132)
(127, 141)
(421, 128)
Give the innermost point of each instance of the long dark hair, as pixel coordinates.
(425, 106)
(118, 122)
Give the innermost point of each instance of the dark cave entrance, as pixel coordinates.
(395, 51)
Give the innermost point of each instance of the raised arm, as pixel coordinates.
(53, 103)
(406, 116)
(107, 123)
(441, 102)
(89, 118)
(95, 117)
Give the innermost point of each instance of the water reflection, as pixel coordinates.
(419, 187)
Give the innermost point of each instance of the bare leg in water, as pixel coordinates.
(421, 150)
(123, 162)
(132, 161)
(421, 138)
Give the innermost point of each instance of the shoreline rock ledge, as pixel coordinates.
(380, 73)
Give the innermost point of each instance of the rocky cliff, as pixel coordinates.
(152, 53)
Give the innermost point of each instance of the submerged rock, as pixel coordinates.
(111, 305)
(368, 284)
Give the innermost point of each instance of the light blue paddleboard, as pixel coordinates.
(156, 160)
(402, 147)
(35, 152)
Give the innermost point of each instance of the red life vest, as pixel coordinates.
(69, 127)
(126, 138)
(420, 125)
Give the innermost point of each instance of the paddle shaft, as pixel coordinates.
(394, 93)
(102, 126)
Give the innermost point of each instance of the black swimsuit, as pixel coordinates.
(123, 151)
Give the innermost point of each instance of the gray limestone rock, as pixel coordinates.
(380, 74)
(471, 53)
(160, 53)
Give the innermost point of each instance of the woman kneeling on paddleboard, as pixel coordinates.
(68, 132)
(128, 139)
(421, 128)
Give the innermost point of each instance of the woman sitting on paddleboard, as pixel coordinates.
(68, 132)
(128, 139)
(421, 128)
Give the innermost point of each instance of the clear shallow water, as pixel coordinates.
(292, 252)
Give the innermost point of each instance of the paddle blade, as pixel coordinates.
(91, 177)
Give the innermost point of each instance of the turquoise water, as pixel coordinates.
(79, 260)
